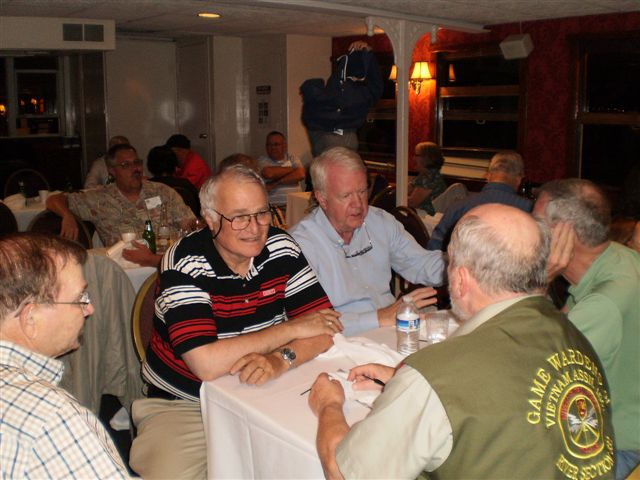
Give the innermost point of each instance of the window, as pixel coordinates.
(608, 114)
(479, 101)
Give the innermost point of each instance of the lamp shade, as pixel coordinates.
(421, 71)
(393, 75)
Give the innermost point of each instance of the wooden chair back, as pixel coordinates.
(142, 316)
(413, 224)
(386, 199)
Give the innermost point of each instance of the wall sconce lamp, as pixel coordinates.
(393, 75)
(420, 74)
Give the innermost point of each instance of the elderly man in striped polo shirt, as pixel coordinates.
(236, 298)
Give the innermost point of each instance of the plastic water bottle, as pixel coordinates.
(407, 326)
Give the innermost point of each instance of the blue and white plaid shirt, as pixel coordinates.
(44, 431)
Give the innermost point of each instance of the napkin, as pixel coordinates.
(115, 253)
(362, 350)
(364, 397)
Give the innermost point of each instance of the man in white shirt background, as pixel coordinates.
(282, 171)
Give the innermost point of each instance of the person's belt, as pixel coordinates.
(155, 392)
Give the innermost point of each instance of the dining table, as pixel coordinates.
(25, 211)
(269, 431)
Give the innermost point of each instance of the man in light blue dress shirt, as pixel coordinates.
(353, 247)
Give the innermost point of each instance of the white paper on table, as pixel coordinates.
(364, 397)
(115, 253)
(362, 350)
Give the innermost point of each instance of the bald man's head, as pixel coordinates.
(504, 248)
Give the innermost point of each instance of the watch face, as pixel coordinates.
(288, 354)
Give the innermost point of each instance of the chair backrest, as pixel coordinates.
(278, 218)
(413, 224)
(377, 183)
(8, 222)
(142, 316)
(49, 222)
(386, 199)
(33, 181)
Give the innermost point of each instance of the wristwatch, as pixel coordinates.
(288, 356)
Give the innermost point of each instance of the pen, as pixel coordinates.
(375, 380)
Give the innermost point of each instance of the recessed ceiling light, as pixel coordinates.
(209, 15)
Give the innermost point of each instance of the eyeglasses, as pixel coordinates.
(361, 251)
(240, 222)
(84, 301)
(128, 165)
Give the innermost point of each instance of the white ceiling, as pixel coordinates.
(177, 18)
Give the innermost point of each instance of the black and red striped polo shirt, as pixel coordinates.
(201, 300)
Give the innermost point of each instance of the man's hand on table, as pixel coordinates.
(321, 322)
(141, 255)
(325, 393)
(362, 376)
(563, 238)
(257, 369)
(422, 297)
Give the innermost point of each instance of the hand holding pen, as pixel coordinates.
(370, 376)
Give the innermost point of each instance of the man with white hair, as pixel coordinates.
(505, 173)
(44, 431)
(517, 393)
(353, 247)
(238, 298)
(603, 302)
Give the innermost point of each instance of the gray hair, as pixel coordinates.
(498, 264)
(507, 162)
(581, 203)
(339, 156)
(208, 192)
(112, 153)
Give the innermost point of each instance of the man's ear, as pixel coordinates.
(28, 321)
(463, 277)
(322, 200)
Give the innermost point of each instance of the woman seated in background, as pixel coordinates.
(429, 183)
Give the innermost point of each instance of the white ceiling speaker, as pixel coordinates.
(516, 46)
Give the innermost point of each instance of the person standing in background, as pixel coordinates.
(190, 165)
(333, 113)
(98, 175)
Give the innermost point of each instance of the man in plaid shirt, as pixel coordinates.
(44, 431)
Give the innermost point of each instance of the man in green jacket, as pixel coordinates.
(517, 392)
(603, 302)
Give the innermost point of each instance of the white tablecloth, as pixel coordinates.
(24, 214)
(269, 431)
(297, 203)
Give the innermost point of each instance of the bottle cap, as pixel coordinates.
(407, 299)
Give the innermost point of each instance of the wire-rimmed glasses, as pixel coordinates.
(362, 251)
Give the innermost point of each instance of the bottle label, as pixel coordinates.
(408, 323)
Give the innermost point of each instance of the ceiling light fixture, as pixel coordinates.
(209, 15)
